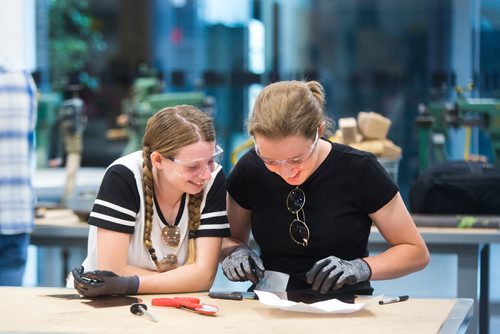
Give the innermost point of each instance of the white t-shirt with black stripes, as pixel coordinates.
(119, 206)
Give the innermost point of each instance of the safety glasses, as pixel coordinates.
(196, 168)
(299, 231)
(292, 162)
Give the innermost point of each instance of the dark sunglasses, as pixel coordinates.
(299, 232)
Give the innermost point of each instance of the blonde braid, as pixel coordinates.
(194, 222)
(148, 189)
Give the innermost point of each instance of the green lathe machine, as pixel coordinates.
(467, 129)
(146, 99)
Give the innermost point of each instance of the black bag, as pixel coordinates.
(457, 187)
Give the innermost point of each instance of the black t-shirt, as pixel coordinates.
(340, 194)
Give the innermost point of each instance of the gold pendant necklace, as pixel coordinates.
(169, 262)
(171, 235)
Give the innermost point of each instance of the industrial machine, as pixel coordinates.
(59, 134)
(146, 99)
(48, 107)
(466, 129)
(72, 123)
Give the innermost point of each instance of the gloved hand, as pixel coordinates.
(334, 273)
(103, 283)
(243, 264)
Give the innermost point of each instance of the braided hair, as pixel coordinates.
(167, 131)
(194, 223)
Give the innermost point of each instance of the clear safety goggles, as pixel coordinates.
(196, 168)
(292, 162)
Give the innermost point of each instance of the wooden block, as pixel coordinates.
(373, 146)
(390, 150)
(373, 125)
(349, 129)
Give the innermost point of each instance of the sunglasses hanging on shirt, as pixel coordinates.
(298, 229)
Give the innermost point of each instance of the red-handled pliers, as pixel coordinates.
(186, 302)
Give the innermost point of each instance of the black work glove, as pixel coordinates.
(103, 283)
(333, 273)
(242, 264)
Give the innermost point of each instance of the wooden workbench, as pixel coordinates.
(32, 310)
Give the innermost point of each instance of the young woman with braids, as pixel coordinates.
(310, 204)
(159, 217)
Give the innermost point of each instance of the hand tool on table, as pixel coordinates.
(186, 302)
(232, 295)
(226, 295)
(141, 309)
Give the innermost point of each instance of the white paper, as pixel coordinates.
(273, 281)
(326, 306)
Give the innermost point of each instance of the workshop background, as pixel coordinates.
(103, 67)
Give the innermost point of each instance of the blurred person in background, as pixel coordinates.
(17, 164)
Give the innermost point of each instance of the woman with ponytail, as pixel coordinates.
(310, 204)
(160, 215)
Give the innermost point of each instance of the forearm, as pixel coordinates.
(228, 244)
(398, 261)
(123, 268)
(408, 252)
(187, 278)
(194, 277)
(133, 270)
(239, 220)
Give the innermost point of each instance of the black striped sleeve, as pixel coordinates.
(117, 202)
(214, 221)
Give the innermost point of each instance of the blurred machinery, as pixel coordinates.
(59, 134)
(72, 122)
(466, 129)
(48, 106)
(145, 100)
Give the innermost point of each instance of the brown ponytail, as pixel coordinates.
(318, 92)
(289, 108)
